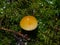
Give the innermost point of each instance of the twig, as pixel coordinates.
(17, 33)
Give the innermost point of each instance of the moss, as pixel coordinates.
(47, 13)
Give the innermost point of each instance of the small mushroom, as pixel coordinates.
(29, 23)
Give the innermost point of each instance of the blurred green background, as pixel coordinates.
(47, 13)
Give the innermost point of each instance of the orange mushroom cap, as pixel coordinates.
(28, 23)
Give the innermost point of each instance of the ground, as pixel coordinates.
(47, 12)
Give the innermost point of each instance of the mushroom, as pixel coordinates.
(28, 23)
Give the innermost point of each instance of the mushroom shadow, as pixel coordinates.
(31, 34)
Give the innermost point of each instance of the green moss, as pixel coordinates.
(47, 13)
